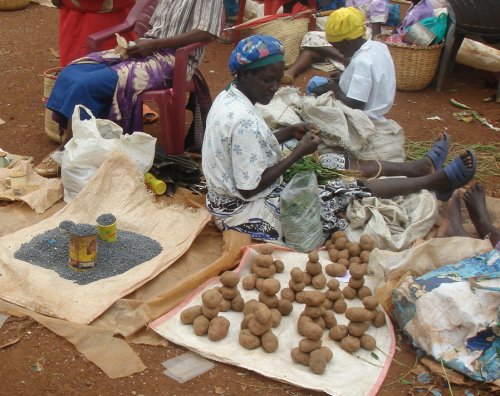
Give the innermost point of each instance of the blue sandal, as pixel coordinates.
(458, 174)
(439, 151)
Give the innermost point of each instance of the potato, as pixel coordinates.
(333, 254)
(328, 244)
(307, 279)
(379, 319)
(345, 262)
(327, 352)
(338, 332)
(279, 265)
(320, 322)
(230, 279)
(319, 281)
(300, 297)
(271, 286)
(246, 319)
(285, 307)
(339, 306)
(250, 306)
(355, 259)
(270, 301)
(314, 298)
(334, 269)
(190, 314)
(350, 344)
(327, 304)
(296, 287)
(229, 292)
(218, 328)
(317, 361)
(314, 312)
(333, 284)
(264, 260)
(275, 317)
(357, 329)
(263, 272)
(313, 257)
(312, 331)
(314, 268)
(349, 292)
(258, 283)
(370, 302)
(363, 292)
(344, 254)
(248, 281)
(225, 305)
(354, 249)
(364, 256)
(297, 275)
(269, 341)
(356, 283)
(211, 298)
(368, 342)
(288, 294)
(262, 314)
(302, 320)
(237, 304)
(300, 357)
(358, 314)
(307, 346)
(366, 242)
(356, 270)
(200, 325)
(330, 320)
(248, 340)
(210, 313)
(258, 328)
(337, 235)
(333, 295)
(340, 243)
(266, 249)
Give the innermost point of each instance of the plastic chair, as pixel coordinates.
(171, 101)
(468, 18)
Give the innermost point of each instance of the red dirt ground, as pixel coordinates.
(43, 363)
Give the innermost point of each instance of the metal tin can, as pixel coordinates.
(107, 233)
(82, 252)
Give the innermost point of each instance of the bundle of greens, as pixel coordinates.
(309, 163)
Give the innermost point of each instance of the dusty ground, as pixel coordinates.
(43, 363)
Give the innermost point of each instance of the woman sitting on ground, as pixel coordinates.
(243, 163)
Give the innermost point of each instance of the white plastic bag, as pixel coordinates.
(93, 140)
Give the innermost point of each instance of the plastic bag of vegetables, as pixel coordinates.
(300, 213)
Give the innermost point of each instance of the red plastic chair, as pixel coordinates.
(171, 101)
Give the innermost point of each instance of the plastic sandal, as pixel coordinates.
(439, 151)
(458, 174)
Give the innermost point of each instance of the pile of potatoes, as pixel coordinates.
(335, 297)
(256, 326)
(341, 251)
(312, 321)
(315, 270)
(231, 295)
(205, 318)
(263, 267)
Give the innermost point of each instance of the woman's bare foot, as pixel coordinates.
(475, 201)
(452, 219)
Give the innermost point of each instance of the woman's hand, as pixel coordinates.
(142, 48)
(307, 145)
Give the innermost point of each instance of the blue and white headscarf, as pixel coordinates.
(256, 51)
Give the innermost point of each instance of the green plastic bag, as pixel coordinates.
(436, 25)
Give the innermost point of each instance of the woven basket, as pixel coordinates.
(11, 5)
(49, 79)
(289, 31)
(415, 66)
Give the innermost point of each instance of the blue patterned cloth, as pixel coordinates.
(253, 50)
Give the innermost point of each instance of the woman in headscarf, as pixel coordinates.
(243, 163)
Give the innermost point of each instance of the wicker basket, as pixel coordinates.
(49, 79)
(289, 31)
(11, 5)
(415, 66)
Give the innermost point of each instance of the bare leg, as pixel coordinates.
(437, 181)
(452, 222)
(308, 56)
(475, 201)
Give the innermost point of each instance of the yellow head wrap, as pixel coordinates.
(346, 23)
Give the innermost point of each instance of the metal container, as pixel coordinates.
(418, 34)
(107, 233)
(82, 252)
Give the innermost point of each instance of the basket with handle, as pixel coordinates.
(288, 30)
(51, 127)
(11, 5)
(415, 66)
